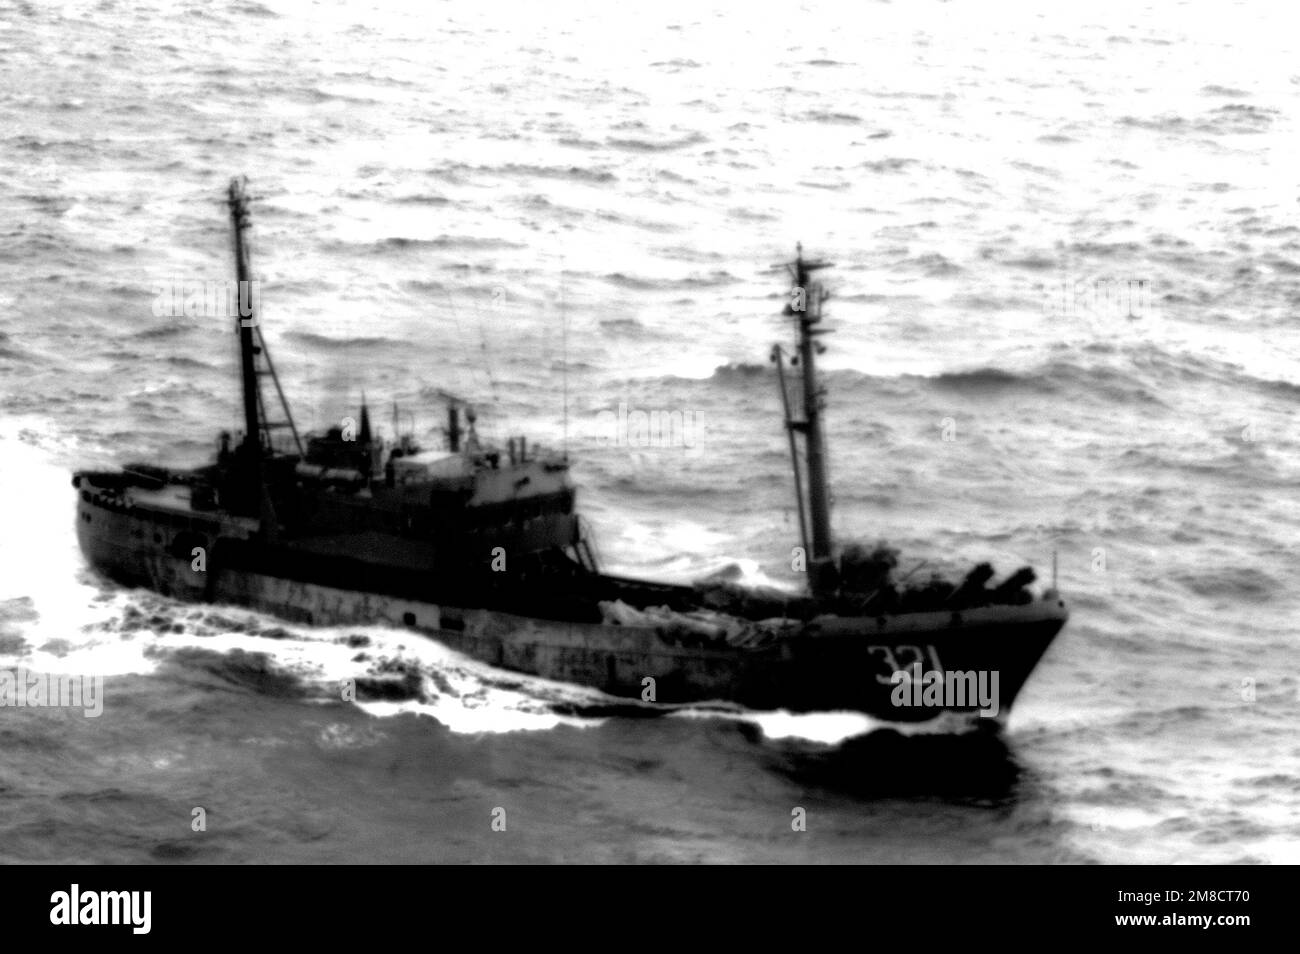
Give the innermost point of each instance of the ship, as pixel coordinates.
(481, 547)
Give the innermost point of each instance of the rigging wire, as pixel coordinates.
(486, 416)
(564, 355)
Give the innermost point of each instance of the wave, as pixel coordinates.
(744, 214)
(834, 118)
(624, 326)
(11, 351)
(255, 10)
(252, 672)
(1215, 90)
(982, 379)
(169, 329)
(1244, 583)
(447, 241)
(184, 361)
(1138, 383)
(1167, 123)
(457, 173)
(846, 381)
(1106, 249)
(1242, 117)
(741, 371)
(935, 265)
(645, 145)
(888, 164)
(667, 175)
(1287, 389)
(314, 340)
(572, 173)
(421, 199)
(1230, 118)
(712, 280)
(404, 243)
(1101, 371)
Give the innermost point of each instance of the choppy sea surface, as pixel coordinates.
(1065, 238)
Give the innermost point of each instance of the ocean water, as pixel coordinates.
(1066, 240)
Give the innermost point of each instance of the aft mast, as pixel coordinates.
(805, 306)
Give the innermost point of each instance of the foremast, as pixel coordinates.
(805, 306)
(255, 363)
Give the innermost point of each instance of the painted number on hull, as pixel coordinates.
(903, 659)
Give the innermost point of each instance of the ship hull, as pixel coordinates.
(902, 668)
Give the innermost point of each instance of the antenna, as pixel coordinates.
(485, 365)
(487, 355)
(564, 348)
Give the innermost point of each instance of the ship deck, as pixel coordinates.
(175, 503)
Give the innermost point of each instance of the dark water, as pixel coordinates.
(576, 208)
